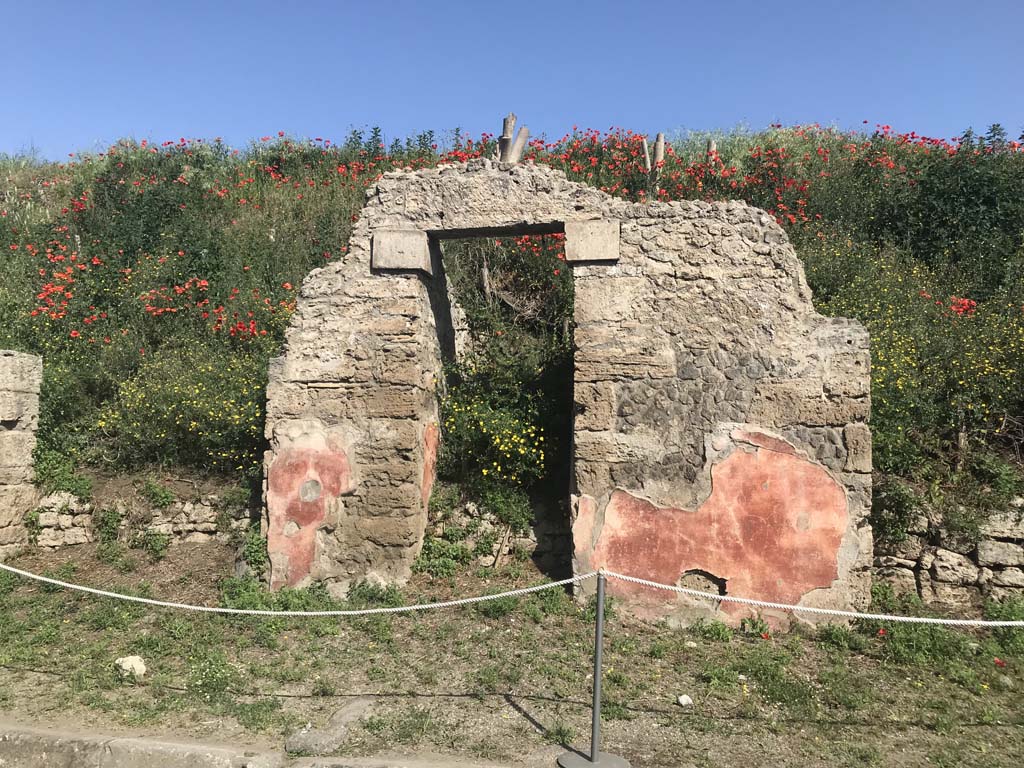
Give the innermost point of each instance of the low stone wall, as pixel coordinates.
(958, 575)
(61, 519)
(21, 376)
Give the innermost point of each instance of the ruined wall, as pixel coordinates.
(720, 436)
(21, 376)
(957, 574)
(61, 519)
(723, 438)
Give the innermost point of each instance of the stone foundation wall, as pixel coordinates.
(958, 576)
(61, 519)
(21, 376)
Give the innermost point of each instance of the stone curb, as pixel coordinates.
(26, 747)
(433, 761)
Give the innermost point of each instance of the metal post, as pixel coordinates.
(597, 758)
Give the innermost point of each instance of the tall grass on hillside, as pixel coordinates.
(172, 270)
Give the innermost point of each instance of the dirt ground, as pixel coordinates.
(506, 681)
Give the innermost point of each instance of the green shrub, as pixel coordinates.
(1010, 639)
(711, 630)
(894, 507)
(945, 368)
(160, 496)
(1000, 479)
(153, 543)
(509, 505)
(364, 594)
(55, 471)
(8, 581)
(905, 643)
(768, 667)
(112, 553)
(210, 675)
(196, 406)
(490, 443)
(256, 715)
(550, 602)
(440, 558)
(560, 733)
(589, 613)
(64, 572)
(236, 497)
(32, 526)
(497, 608)
(754, 626)
(840, 638)
(106, 525)
(250, 594)
(254, 552)
(444, 497)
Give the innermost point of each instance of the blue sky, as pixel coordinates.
(79, 75)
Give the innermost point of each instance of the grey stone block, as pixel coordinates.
(1000, 553)
(592, 240)
(400, 249)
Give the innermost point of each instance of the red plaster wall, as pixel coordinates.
(292, 468)
(771, 527)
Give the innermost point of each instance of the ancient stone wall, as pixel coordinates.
(957, 574)
(61, 519)
(21, 376)
(720, 436)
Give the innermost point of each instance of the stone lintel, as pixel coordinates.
(592, 240)
(400, 249)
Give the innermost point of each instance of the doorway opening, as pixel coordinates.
(503, 305)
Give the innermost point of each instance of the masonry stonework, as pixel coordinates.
(21, 376)
(957, 574)
(720, 435)
(61, 519)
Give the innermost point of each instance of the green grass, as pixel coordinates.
(442, 680)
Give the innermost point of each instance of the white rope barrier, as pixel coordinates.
(256, 612)
(808, 609)
(695, 593)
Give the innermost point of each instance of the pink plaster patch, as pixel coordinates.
(583, 530)
(300, 482)
(771, 528)
(431, 437)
